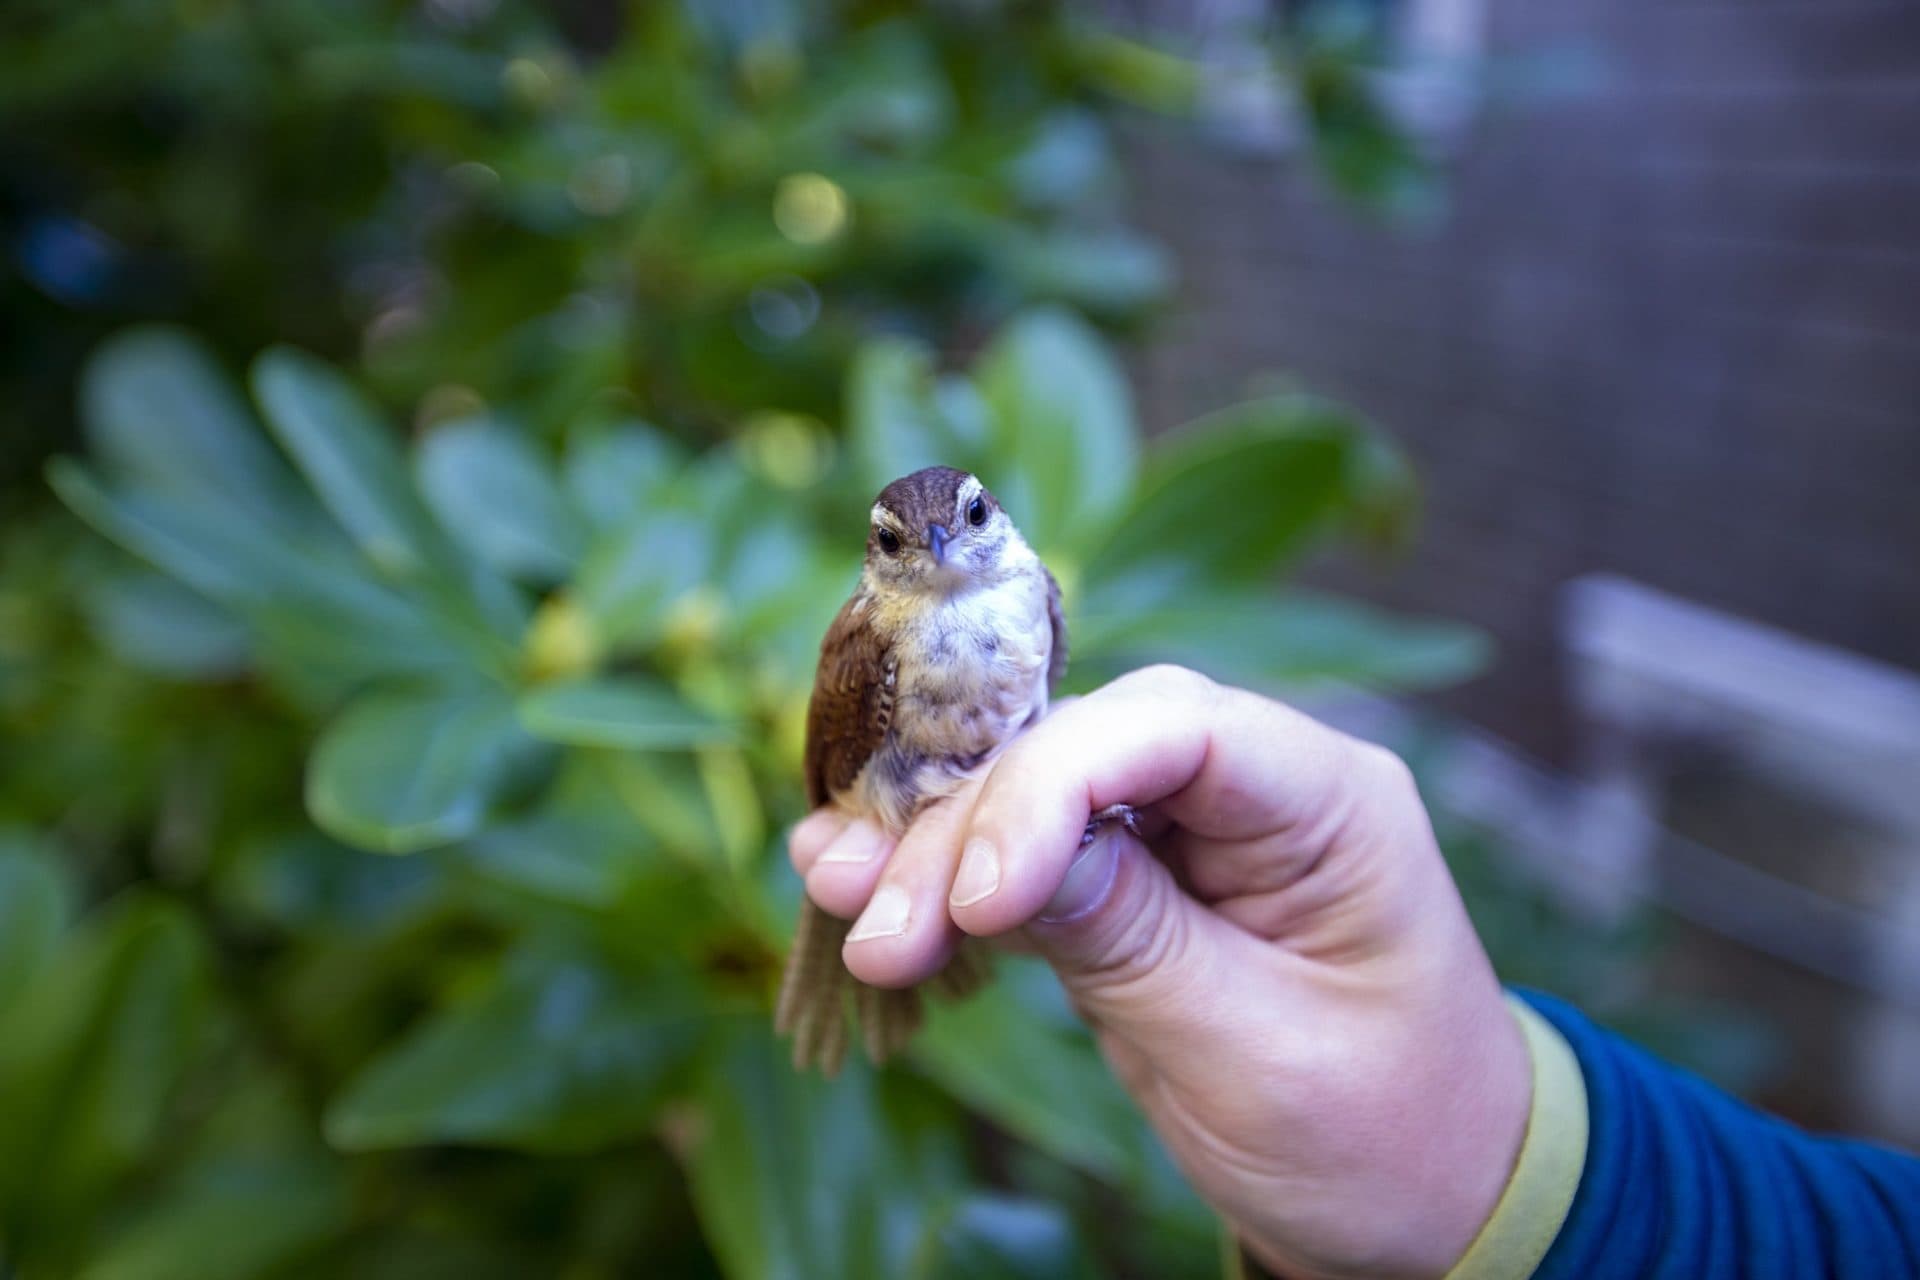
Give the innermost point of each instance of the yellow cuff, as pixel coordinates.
(1552, 1156)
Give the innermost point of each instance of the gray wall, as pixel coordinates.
(1670, 326)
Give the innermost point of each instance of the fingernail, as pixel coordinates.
(979, 873)
(857, 844)
(885, 916)
(1089, 881)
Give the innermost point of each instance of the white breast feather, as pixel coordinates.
(972, 670)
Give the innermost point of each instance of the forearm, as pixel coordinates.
(1682, 1180)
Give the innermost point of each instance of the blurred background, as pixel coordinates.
(1653, 348)
(434, 436)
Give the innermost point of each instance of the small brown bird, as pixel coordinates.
(951, 644)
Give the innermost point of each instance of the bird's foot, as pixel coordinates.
(1123, 814)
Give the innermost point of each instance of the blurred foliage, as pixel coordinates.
(568, 682)
(1614, 969)
(390, 802)
(1332, 51)
(695, 213)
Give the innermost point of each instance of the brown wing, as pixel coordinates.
(852, 702)
(1057, 661)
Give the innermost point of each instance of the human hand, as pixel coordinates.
(1281, 973)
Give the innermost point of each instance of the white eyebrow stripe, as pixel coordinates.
(970, 489)
(880, 515)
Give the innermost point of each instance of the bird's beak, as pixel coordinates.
(937, 537)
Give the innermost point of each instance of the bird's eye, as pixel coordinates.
(889, 540)
(977, 511)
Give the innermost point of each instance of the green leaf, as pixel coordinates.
(237, 1222)
(1301, 638)
(992, 1237)
(1149, 77)
(211, 505)
(666, 797)
(1383, 494)
(1064, 427)
(159, 411)
(615, 470)
(314, 602)
(1038, 1079)
(1355, 137)
(399, 772)
(1067, 160)
(87, 1066)
(557, 1053)
(1233, 494)
(588, 863)
(774, 569)
(301, 880)
(155, 624)
(624, 712)
(33, 913)
(795, 1177)
(631, 576)
(901, 418)
(393, 67)
(1109, 273)
(886, 91)
(350, 458)
(496, 496)
(193, 542)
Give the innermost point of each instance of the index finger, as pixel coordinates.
(1218, 761)
(812, 834)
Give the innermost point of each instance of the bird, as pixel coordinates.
(951, 643)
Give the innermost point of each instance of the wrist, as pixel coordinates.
(1427, 1134)
(1493, 1109)
(1540, 1192)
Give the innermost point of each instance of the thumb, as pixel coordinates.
(1137, 955)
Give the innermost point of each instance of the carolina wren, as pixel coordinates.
(949, 645)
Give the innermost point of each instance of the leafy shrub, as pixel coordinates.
(394, 883)
(567, 686)
(690, 210)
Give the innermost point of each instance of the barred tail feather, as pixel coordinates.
(813, 991)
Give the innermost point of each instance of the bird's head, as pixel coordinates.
(939, 530)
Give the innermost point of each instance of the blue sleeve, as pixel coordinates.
(1682, 1180)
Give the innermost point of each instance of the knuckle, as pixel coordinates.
(1021, 748)
(1169, 680)
(1388, 770)
(1003, 783)
(1383, 785)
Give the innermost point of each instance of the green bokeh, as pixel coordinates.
(464, 424)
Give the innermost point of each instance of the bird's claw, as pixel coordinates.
(1123, 814)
